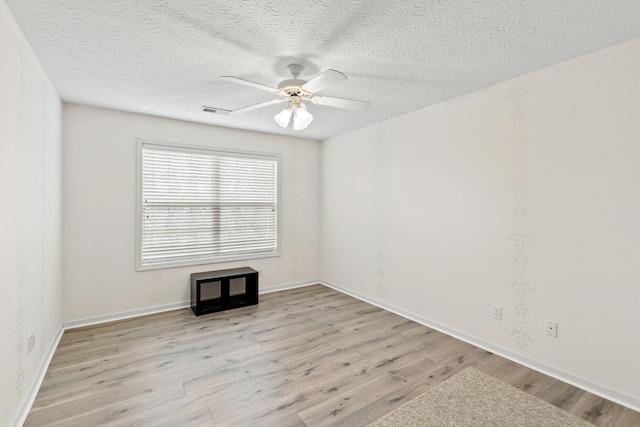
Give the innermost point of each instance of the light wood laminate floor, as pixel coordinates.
(303, 357)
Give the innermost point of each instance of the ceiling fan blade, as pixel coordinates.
(349, 104)
(324, 80)
(249, 83)
(256, 106)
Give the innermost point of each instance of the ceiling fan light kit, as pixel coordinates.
(283, 117)
(297, 91)
(301, 118)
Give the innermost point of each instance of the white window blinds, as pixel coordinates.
(200, 206)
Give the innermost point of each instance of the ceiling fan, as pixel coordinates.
(295, 91)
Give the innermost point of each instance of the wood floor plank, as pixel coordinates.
(54, 394)
(310, 356)
(603, 412)
(333, 411)
(96, 410)
(182, 411)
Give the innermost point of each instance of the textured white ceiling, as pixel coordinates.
(165, 57)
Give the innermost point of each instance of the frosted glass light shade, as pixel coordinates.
(301, 118)
(283, 117)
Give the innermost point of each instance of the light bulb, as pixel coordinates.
(283, 117)
(301, 118)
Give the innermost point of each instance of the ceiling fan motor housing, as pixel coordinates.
(293, 87)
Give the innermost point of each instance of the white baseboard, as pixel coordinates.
(104, 318)
(35, 387)
(289, 286)
(94, 320)
(597, 389)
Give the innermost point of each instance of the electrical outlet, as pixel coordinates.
(497, 312)
(552, 328)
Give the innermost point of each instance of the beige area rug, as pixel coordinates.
(472, 398)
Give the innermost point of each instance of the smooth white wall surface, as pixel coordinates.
(30, 218)
(523, 195)
(99, 184)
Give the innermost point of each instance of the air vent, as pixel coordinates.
(214, 110)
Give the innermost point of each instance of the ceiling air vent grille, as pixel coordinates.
(214, 110)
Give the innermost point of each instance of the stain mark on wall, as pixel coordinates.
(520, 238)
(294, 223)
(380, 207)
(156, 292)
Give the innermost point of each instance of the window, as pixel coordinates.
(198, 206)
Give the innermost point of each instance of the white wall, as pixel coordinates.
(99, 184)
(30, 219)
(524, 195)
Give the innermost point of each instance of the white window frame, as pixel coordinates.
(198, 149)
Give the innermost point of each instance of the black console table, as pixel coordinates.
(221, 290)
